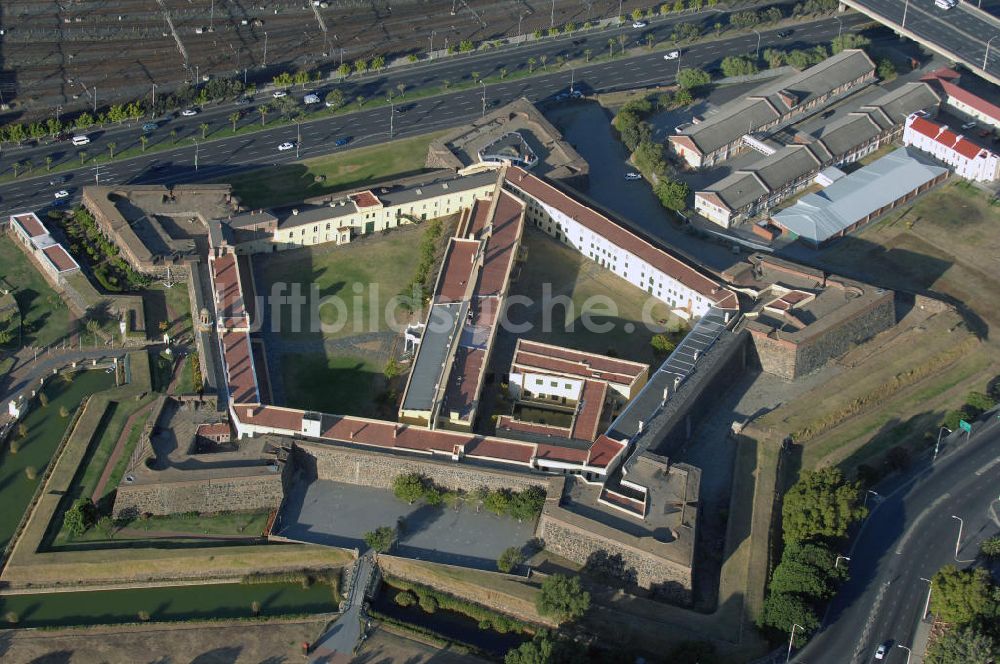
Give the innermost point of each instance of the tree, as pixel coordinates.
(344, 70)
(80, 517)
(990, 548)
(409, 487)
(107, 527)
(378, 62)
(509, 559)
(611, 48)
(381, 539)
(498, 501)
(48, 162)
(43, 399)
(678, 5)
(782, 610)
(16, 166)
(466, 45)
(673, 195)
(173, 135)
(402, 89)
(526, 505)
(63, 411)
(636, 14)
(545, 649)
(474, 76)
(683, 97)
(143, 140)
(263, 110)
(111, 148)
(283, 80)
(361, 66)
(661, 344)
(563, 598)
(690, 78)
(954, 417)
(587, 53)
(963, 646)
(5, 337)
(738, 65)
(405, 598)
(427, 602)
(794, 576)
(960, 596)
(821, 505)
(335, 99)
(31, 472)
(543, 58)
(849, 40)
(774, 57)
(234, 118)
(979, 402)
(22, 430)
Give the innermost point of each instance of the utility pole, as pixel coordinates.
(195, 153)
(757, 52)
(988, 48)
(154, 96)
(958, 541)
(482, 83)
(211, 19)
(552, 15)
(298, 137)
(431, 50)
(97, 173)
(265, 50)
(572, 79)
(927, 604)
(905, 8)
(392, 112)
(839, 558)
(95, 100)
(792, 639)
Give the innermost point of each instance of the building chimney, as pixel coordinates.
(295, 212)
(249, 412)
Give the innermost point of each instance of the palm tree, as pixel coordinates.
(204, 129)
(531, 64)
(142, 141)
(173, 135)
(83, 156)
(445, 83)
(360, 99)
(621, 44)
(263, 113)
(475, 76)
(234, 118)
(611, 48)
(402, 89)
(17, 165)
(48, 163)
(544, 58)
(111, 148)
(650, 40)
(503, 73)
(587, 53)
(718, 29)
(28, 166)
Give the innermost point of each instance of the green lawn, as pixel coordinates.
(46, 318)
(354, 281)
(231, 600)
(343, 385)
(45, 428)
(287, 184)
(595, 292)
(250, 524)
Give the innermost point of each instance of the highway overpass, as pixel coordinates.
(963, 34)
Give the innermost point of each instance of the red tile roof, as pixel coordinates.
(239, 367)
(480, 216)
(508, 423)
(620, 237)
(365, 199)
(564, 454)
(507, 225)
(942, 73)
(987, 108)
(457, 270)
(946, 137)
(219, 429)
(495, 448)
(463, 383)
(285, 419)
(228, 292)
(30, 223)
(586, 363)
(60, 258)
(588, 417)
(603, 451)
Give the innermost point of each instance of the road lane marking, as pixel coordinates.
(985, 468)
(913, 528)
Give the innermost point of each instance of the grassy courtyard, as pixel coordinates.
(45, 317)
(342, 384)
(595, 292)
(287, 184)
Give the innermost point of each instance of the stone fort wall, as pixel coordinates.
(354, 466)
(204, 495)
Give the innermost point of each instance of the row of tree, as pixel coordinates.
(816, 514)
(521, 505)
(968, 602)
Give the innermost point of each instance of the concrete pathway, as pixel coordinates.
(338, 643)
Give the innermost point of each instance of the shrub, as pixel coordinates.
(428, 603)
(979, 402)
(81, 516)
(990, 548)
(144, 616)
(405, 598)
(381, 539)
(509, 559)
(31, 472)
(661, 344)
(563, 598)
(954, 417)
(12, 617)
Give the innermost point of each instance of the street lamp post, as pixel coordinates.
(298, 137)
(483, 83)
(840, 25)
(988, 50)
(195, 153)
(791, 639)
(154, 97)
(392, 112)
(520, 17)
(265, 50)
(552, 15)
(839, 558)
(937, 445)
(958, 540)
(905, 8)
(927, 604)
(757, 52)
(874, 493)
(431, 51)
(908, 652)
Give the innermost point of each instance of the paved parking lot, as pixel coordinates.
(338, 514)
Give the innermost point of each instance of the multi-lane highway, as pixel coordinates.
(219, 158)
(910, 534)
(962, 33)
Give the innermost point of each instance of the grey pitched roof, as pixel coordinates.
(786, 165)
(766, 103)
(906, 99)
(428, 372)
(250, 219)
(817, 217)
(854, 129)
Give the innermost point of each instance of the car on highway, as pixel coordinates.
(672, 55)
(639, 24)
(243, 101)
(59, 179)
(81, 140)
(62, 193)
(149, 127)
(278, 94)
(945, 4)
(881, 651)
(633, 176)
(189, 112)
(784, 34)
(340, 142)
(286, 146)
(310, 99)
(968, 125)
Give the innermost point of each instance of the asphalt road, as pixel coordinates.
(961, 30)
(218, 158)
(910, 534)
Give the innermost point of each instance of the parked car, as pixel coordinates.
(285, 146)
(639, 24)
(672, 55)
(310, 99)
(278, 94)
(189, 112)
(62, 193)
(881, 651)
(633, 176)
(340, 142)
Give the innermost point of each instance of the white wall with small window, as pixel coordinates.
(530, 385)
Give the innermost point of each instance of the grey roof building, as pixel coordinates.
(745, 193)
(720, 135)
(860, 197)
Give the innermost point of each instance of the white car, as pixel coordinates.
(278, 94)
(672, 55)
(62, 193)
(639, 24)
(188, 112)
(968, 125)
(286, 146)
(310, 99)
(881, 651)
(633, 176)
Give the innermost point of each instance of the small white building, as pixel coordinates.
(969, 160)
(36, 241)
